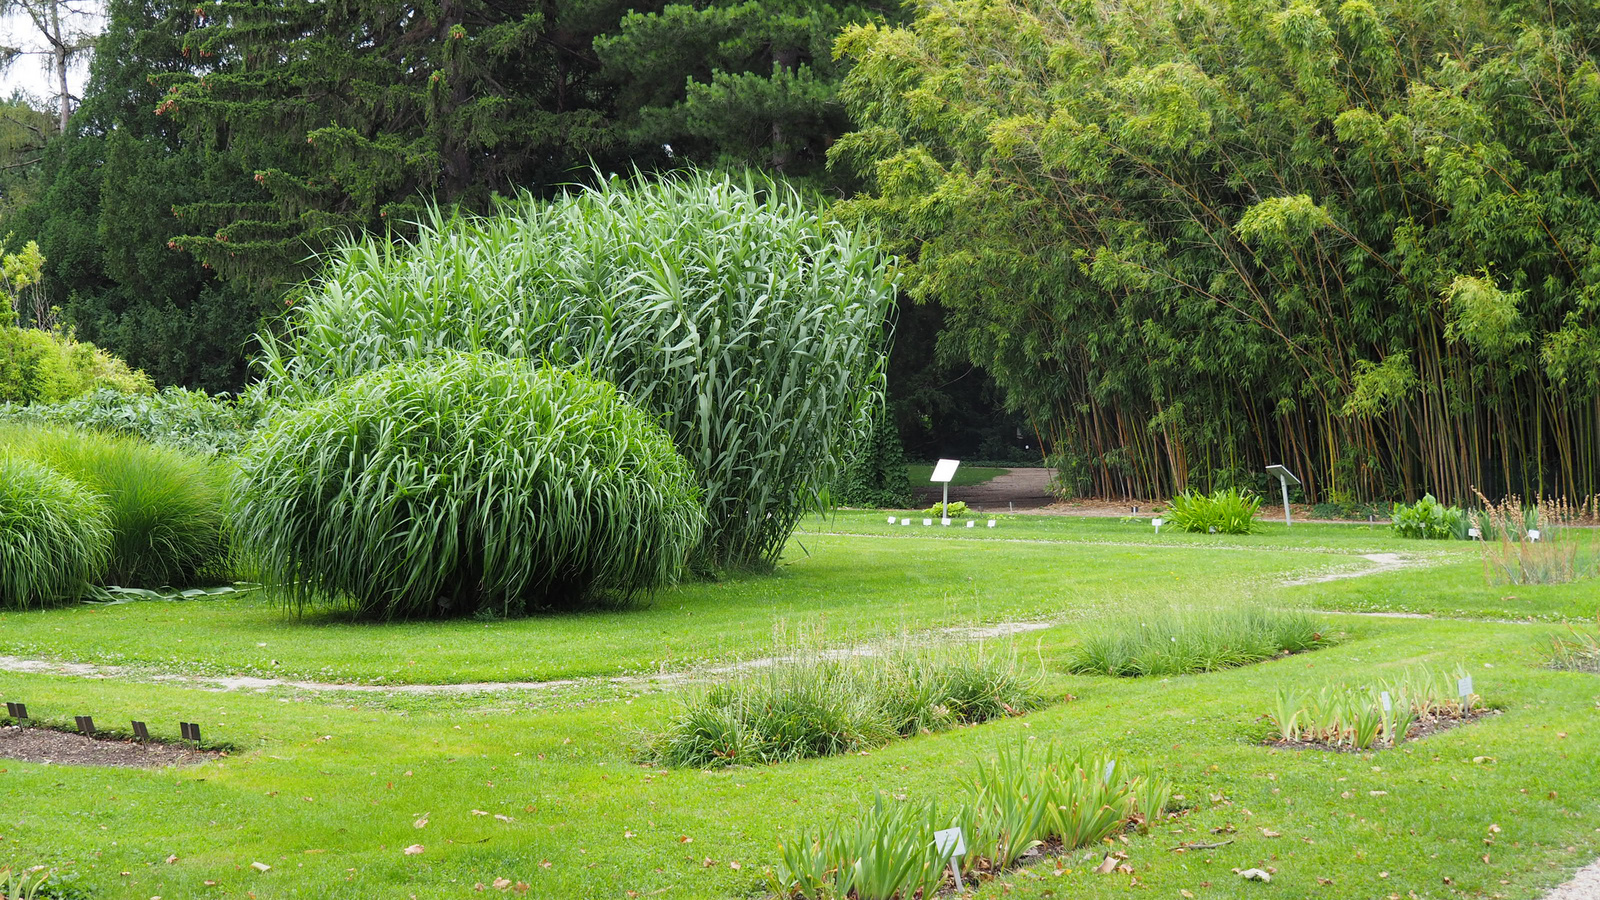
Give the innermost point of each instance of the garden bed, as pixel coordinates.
(1417, 732)
(65, 748)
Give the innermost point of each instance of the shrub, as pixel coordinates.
(1184, 641)
(55, 535)
(45, 367)
(817, 705)
(750, 326)
(874, 474)
(1229, 511)
(955, 510)
(165, 507)
(1429, 519)
(466, 483)
(185, 420)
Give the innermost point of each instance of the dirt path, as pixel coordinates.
(1016, 489)
(1585, 885)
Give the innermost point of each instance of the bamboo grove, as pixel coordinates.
(1193, 237)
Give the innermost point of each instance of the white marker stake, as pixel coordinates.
(906, 521)
(1474, 533)
(1158, 523)
(1111, 768)
(951, 841)
(991, 523)
(1464, 688)
(891, 520)
(945, 522)
(971, 524)
(1533, 534)
(1388, 705)
(927, 522)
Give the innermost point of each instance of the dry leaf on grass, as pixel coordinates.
(414, 849)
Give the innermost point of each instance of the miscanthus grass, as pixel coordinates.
(55, 534)
(465, 483)
(749, 325)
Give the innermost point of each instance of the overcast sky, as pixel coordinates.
(32, 73)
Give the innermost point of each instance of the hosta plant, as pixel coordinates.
(1429, 519)
(955, 509)
(465, 483)
(745, 322)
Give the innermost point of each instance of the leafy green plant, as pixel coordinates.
(956, 509)
(1429, 519)
(886, 852)
(46, 367)
(821, 704)
(166, 507)
(1357, 718)
(1187, 640)
(462, 483)
(748, 324)
(191, 421)
(1227, 511)
(55, 534)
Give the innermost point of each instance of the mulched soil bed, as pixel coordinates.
(1417, 733)
(64, 748)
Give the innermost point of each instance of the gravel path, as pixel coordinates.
(1017, 488)
(1584, 886)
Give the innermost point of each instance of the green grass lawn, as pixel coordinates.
(966, 476)
(328, 789)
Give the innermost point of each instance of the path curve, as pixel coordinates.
(1585, 885)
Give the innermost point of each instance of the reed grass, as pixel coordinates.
(465, 483)
(1536, 543)
(55, 534)
(1181, 641)
(748, 324)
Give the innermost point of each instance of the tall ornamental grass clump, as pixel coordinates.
(1185, 641)
(747, 324)
(55, 535)
(165, 507)
(465, 483)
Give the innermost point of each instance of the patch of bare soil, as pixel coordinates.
(1420, 730)
(63, 748)
(1585, 885)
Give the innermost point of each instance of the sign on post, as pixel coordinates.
(944, 470)
(1285, 478)
(951, 842)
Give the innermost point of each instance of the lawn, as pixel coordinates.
(540, 786)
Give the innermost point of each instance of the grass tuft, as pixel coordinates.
(821, 705)
(1190, 640)
(55, 535)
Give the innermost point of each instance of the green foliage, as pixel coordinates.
(175, 417)
(1355, 717)
(825, 705)
(1229, 511)
(1189, 640)
(46, 367)
(874, 473)
(954, 510)
(465, 483)
(1429, 519)
(1190, 240)
(748, 324)
(54, 534)
(1023, 799)
(1536, 543)
(165, 506)
(1576, 650)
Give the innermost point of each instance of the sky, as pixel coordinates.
(31, 73)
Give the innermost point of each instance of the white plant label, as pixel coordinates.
(991, 523)
(945, 522)
(1474, 533)
(1388, 705)
(950, 842)
(1464, 687)
(927, 521)
(971, 524)
(1533, 534)
(891, 520)
(1111, 767)
(1158, 522)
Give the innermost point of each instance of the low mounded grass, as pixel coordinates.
(54, 535)
(165, 506)
(819, 705)
(1576, 650)
(1190, 640)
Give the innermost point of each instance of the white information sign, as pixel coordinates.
(950, 841)
(1464, 687)
(945, 470)
(1388, 704)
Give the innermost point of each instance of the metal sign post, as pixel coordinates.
(944, 471)
(1285, 478)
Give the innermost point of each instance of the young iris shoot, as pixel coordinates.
(466, 483)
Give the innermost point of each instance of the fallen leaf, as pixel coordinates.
(171, 860)
(1324, 880)
(685, 839)
(1377, 793)
(734, 864)
(502, 884)
(544, 863)
(260, 867)
(414, 849)
(1187, 895)
(1105, 867)
(1255, 875)
(420, 823)
(480, 812)
(504, 818)
(1268, 832)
